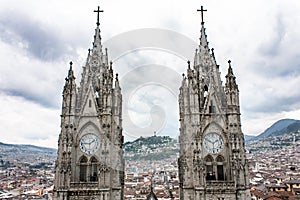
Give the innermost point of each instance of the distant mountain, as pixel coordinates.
(151, 148)
(281, 127)
(26, 147)
(10, 153)
(248, 137)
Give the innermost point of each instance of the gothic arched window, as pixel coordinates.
(220, 159)
(220, 168)
(94, 170)
(83, 169)
(210, 175)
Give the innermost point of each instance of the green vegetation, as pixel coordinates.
(151, 148)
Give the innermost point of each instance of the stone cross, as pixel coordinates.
(201, 10)
(98, 12)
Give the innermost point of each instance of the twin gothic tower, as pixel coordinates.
(212, 161)
(90, 163)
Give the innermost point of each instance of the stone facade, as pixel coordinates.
(90, 162)
(212, 162)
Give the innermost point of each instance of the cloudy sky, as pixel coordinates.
(149, 42)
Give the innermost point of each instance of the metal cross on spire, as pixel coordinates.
(201, 10)
(98, 12)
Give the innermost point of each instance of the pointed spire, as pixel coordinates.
(184, 82)
(69, 92)
(97, 46)
(70, 78)
(88, 56)
(71, 72)
(231, 89)
(189, 71)
(117, 84)
(203, 37)
(230, 78)
(230, 72)
(110, 66)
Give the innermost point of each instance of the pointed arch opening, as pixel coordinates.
(220, 168)
(94, 170)
(210, 174)
(83, 169)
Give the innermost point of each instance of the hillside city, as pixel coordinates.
(27, 172)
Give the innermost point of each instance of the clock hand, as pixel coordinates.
(209, 140)
(91, 141)
(214, 143)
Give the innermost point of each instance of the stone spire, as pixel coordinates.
(63, 163)
(231, 88)
(96, 67)
(97, 46)
(230, 79)
(117, 84)
(203, 37)
(69, 93)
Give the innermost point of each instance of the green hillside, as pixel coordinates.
(151, 148)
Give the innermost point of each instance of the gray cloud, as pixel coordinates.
(37, 38)
(273, 46)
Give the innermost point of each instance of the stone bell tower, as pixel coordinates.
(90, 163)
(212, 162)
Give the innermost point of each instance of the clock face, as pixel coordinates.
(213, 143)
(89, 143)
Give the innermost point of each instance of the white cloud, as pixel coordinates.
(25, 122)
